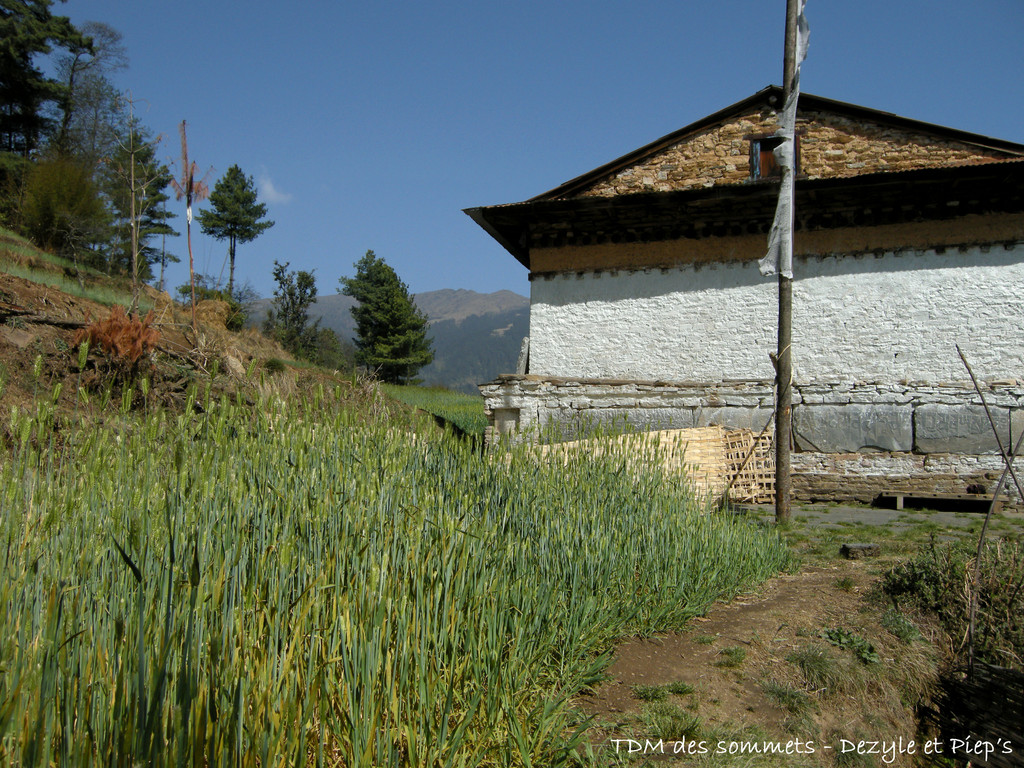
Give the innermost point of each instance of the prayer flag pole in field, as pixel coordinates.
(779, 259)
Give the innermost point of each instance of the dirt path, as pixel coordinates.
(735, 678)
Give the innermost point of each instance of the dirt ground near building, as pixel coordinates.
(765, 668)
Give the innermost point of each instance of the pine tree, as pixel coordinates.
(391, 332)
(28, 30)
(235, 216)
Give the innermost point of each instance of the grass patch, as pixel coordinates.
(679, 688)
(732, 656)
(816, 666)
(661, 692)
(664, 720)
(106, 294)
(793, 700)
(650, 692)
(17, 251)
(845, 584)
(900, 626)
(854, 758)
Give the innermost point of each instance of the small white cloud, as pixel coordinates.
(269, 192)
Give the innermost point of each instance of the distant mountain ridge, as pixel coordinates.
(476, 335)
(459, 303)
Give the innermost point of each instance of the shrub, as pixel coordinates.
(62, 209)
(124, 341)
(940, 580)
(273, 365)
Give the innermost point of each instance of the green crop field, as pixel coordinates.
(304, 585)
(466, 412)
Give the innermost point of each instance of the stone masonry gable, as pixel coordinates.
(831, 146)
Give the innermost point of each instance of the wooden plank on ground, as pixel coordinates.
(971, 502)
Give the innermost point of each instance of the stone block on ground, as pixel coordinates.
(857, 551)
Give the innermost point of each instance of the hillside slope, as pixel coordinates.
(45, 301)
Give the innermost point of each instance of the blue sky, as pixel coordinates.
(371, 125)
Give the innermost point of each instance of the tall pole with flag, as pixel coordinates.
(779, 259)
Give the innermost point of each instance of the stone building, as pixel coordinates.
(647, 302)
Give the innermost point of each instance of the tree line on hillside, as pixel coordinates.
(79, 176)
(79, 172)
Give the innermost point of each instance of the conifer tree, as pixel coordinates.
(235, 216)
(391, 332)
(27, 31)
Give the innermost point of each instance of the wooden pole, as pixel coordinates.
(784, 366)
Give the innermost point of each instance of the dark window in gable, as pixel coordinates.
(763, 164)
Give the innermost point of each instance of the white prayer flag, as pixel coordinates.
(779, 258)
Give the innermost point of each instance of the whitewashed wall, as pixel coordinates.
(888, 318)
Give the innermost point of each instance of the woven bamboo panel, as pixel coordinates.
(717, 461)
(751, 464)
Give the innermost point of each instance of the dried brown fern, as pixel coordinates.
(123, 339)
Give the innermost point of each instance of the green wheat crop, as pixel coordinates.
(290, 585)
(457, 408)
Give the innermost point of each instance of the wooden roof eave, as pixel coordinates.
(517, 246)
(517, 225)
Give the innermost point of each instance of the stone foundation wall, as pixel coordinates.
(852, 440)
(861, 477)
